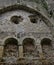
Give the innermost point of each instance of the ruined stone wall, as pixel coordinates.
(26, 28)
(20, 24)
(8, 28)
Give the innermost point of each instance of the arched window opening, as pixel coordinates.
(28, 46)
(46, 47)
(10, 50)
(16, 19)
(33, 18)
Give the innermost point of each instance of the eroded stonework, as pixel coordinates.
(28, 42)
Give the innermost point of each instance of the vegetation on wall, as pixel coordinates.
(44, 4)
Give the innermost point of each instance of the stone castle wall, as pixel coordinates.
(31, 26)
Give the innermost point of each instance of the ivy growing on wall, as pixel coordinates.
(44, 4)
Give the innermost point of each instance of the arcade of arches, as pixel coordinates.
(12, 50)
(21, 21)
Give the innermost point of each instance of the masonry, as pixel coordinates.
(26, 36)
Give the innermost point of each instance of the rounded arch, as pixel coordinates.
(8, 37)
(31, 40)
(11, 41)
(10, 50)
(46, 41)
(28, 45)
(46, 47)
(28, 9)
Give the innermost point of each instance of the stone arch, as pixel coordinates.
(46, 41)
(28, 9)
(10, 50)
(28, 46)
(11, 40)
(46, 47)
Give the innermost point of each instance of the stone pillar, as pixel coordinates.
(39, 45)
(20, 51)
(53, 50)
(52, 32)
(40, 48)
(53, 43)
(1, 51)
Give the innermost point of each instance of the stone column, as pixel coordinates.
(39, 45)
(1, 51)
(53, 50)
(52, 32)
(40, 49)
(20, 51)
